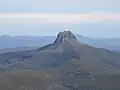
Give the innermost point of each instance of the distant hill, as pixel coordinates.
(20, 42)
(110, 43)
(24, 41)
(6, 50)
(66, 48)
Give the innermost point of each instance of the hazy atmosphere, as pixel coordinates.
(94, 18)
(59, 44)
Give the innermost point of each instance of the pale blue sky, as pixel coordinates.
(92, 18)
(59, 6)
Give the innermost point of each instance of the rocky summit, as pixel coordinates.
(64, 36)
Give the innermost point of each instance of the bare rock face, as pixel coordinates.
(64, 36)
(65, 42)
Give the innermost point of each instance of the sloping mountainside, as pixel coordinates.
(66, 48)
(118, 51)
(110, 43)
(19, 43)
(66, 64)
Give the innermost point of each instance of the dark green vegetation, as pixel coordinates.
(65, 64)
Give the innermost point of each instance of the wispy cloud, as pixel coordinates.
(58, 18)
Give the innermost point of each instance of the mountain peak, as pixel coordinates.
(63, 36)
(66, 34)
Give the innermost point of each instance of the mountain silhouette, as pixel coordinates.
(65, 50)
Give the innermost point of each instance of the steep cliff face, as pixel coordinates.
(65, 41)
(62, 37)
